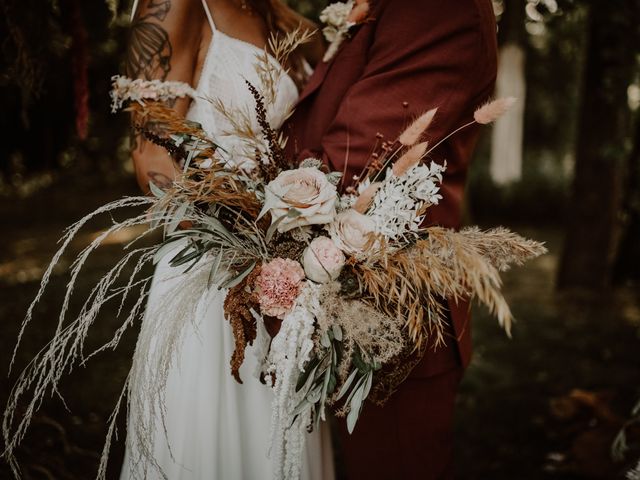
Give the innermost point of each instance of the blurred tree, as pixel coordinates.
(508, 131)
(604, 129)
(309, 8)
(555, 38)
(627, 265)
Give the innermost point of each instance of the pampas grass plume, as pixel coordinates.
(366, 198)
(491, 111)
(409, 159)
(412, 134)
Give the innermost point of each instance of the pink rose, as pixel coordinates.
(278, 286)
(322, 260)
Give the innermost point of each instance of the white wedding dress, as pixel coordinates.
(212, 428)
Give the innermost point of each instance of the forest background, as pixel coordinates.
(562, 167)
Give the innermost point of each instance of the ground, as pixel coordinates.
(545, 404)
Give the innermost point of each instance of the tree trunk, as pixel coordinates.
(508, 132)
(627, 265)
(603, 134)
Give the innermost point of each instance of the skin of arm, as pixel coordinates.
(164, 42)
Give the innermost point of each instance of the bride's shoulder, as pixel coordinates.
(164, 39)
(178, 19)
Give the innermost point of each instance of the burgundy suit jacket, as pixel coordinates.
(409, 56)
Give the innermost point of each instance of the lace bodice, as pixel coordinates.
(228, 63)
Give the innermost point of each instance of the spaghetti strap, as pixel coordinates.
(209, 17)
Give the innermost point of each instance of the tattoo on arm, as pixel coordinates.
(159, 8)
(149, 53)
(160, 180)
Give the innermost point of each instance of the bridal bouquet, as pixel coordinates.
(353, 279)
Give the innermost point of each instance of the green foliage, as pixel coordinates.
(308, 8)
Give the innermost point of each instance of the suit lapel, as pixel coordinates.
(323, 68)
(316, 80)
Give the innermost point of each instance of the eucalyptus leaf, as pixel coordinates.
(309, 370)
(237, 279)
(215, 268)
(177, 217)
(356, 407)
(333, 382)
(337, 332)
(325, 384)
(155, 190)
(272, 229)
(164, 250)
(301, 407)
(345, 387)
(314, 395)
(177, 259)
(359, 363)
(184, 258)
(358, 384)
(367, 385)
(192, 152)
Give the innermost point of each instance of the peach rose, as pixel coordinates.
(300, 197)
(353, 232)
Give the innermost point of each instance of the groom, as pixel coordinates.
(407, 57)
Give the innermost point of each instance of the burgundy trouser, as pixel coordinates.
(411, 437)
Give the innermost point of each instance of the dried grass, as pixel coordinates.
(217, 184)
(413, 282)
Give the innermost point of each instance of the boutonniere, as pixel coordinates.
(338, 19)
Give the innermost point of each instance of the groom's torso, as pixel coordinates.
(401, 60)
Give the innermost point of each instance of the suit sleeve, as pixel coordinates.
(436, 54)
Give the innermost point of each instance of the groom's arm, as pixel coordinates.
(438, 54)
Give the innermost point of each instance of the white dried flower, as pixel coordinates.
(124, 89)
(290, 350)
(335, 17)
(398, 203)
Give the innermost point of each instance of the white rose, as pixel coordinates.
(300, 197)
(322, 260)
(353, 232)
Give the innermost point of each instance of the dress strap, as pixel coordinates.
(209, 17)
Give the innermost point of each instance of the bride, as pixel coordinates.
(207, 425)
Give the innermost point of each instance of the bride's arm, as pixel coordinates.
(164, 42)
